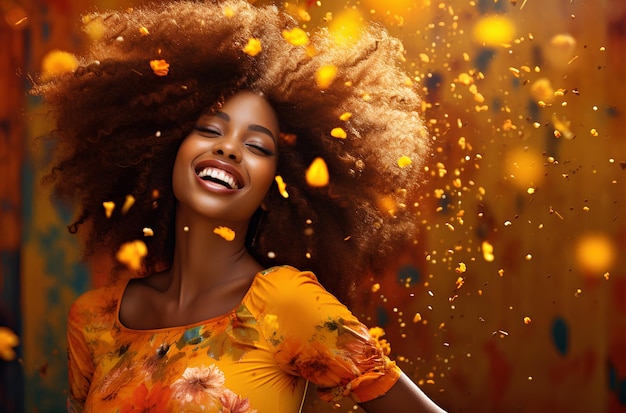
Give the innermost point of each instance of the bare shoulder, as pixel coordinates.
(138, 300)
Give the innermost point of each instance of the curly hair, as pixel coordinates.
(118, 128)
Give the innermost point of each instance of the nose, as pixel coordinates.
(228, 148)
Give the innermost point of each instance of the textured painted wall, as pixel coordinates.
(511, 300)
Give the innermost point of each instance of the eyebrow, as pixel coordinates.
(252, 127)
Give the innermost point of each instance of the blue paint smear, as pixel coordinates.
(621, 393)
(560, 336)
(410, 273)
(490, 6)
(612, 377)
(382, 319)
(484, 58)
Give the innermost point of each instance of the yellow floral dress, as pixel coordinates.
(257, 358)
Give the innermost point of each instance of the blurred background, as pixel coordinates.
(513, 299)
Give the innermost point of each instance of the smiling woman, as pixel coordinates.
(214, 148)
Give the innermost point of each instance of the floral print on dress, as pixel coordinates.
(256, 358)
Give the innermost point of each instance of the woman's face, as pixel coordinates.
(226, 165)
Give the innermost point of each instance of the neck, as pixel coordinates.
(204, 260)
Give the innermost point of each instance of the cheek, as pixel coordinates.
(180, 170)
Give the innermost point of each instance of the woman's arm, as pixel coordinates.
(404, 396)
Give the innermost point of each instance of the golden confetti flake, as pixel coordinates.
(296, 37)
(317, 173)
(228, 12)
(253, 47)
(282, 186)
(459, 282)
(109, 206)
(160, 67)
(417, 318)
(8, 341)
(325, 76)
(345, 116)
(375, 287)
(338, 133)
(225, 232)
(132, 253)
(527, 320)
(143, 31)
(487, 249)
(404, 161)
(128, 203)
(148, 232)
(57, 63)
(461, 268)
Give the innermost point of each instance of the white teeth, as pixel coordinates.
(219, 175)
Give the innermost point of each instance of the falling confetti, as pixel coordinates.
(56, 63)
(8, 341)
(296, 37)
(338, 133)
(317, 173)
(325, 76)
(160, 67)
(282, 186)
(132, 253)
(253, 47)
(109, 206)
(225, 232)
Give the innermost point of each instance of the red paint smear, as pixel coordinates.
(61, 5)
(500, 372)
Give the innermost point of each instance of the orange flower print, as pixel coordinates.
(233, 403)
(201, 386)
(154, 400)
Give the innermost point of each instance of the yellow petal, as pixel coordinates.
(282, 186)
(130, 200)
(325, 76)
(338, 133)
(253, 47)
(56, 63)
(109, 206)
(317, 173)
(131, 254)
(8, 340)
(404, 161)
(296, 36)
(225, 232)
(160, 67)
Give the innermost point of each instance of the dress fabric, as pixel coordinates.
(256, 358)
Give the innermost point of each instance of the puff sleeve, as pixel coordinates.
(314, 336)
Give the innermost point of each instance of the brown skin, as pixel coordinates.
(206, 268)
(240, 139)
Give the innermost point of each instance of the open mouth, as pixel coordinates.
(218, 176)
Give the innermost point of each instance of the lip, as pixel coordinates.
(226, 167)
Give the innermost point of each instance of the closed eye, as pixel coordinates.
(259, 149)
(207, 130)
